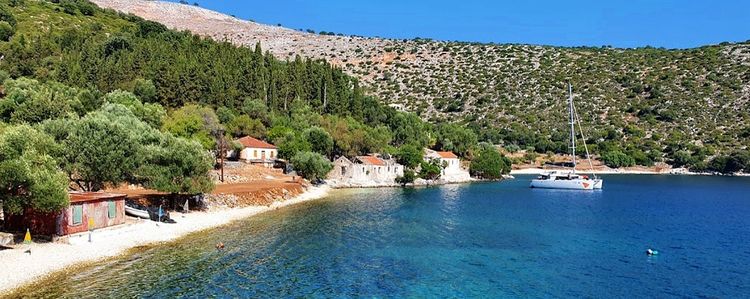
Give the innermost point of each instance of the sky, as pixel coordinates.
(618, 23)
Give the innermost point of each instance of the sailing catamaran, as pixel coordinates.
(570, 179)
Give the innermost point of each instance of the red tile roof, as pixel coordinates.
(93, 196)
(370, 160)
(447, 155)
(248, 141)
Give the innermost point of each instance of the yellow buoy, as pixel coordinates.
(27, 238)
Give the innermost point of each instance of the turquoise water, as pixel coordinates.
(477, 240)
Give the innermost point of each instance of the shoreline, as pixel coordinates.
(624, 171)
(20, 268)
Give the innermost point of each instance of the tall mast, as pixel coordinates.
(572, 124)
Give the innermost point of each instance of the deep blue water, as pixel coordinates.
(477, 240)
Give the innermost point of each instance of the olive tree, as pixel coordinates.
(176, 165)
(101, 149)
(29, 176)
(311, 166)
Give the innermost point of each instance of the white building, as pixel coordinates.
(452, 170)
(365, 171)
(258, 152)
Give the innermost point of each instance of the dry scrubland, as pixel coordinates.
(702, 94)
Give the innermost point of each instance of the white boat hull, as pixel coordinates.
(598, 183)
(574, 184)
(136, 212)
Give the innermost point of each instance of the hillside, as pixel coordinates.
(643, 101)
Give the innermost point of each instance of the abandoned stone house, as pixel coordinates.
(368, 170)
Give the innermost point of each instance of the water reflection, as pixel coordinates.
(477, 240)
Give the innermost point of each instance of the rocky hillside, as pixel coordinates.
(661, 100)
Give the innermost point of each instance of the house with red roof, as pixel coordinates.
(365, 171)
(452, 170)
(257, 151)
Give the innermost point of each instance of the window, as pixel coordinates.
(77, 214)
(111, 209)
(255, 153)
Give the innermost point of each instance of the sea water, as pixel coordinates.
(487, 240)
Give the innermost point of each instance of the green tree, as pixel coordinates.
(194, 122)
(29, 176)
(320, 141)
(311, 166)
(410, 156)
(455, 138)
(243, 125)
(617, 159)
(291, 143)
(489, 164)
(30, 101)
(101, 150)
(176, 165)
(255, 109)
(151, 113)
(145, 90)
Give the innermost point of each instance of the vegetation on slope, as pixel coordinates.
(653, 105)
(107, 98)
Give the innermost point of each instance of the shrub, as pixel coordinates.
(6, 31)
(430, 170)
(408, 177)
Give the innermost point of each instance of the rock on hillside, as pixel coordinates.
(702, 93)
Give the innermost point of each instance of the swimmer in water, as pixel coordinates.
(651, 252)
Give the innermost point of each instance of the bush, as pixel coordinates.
(408, 177)
(69, 7)
(86, 8)
(6, 31)
(617, 159)
(737, 161)
(7, 16)
(311, 166)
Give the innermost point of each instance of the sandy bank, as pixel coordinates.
(19, 268)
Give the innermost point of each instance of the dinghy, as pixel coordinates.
(135, 211)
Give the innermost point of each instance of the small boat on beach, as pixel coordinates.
(136, 212)
(570, 179)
